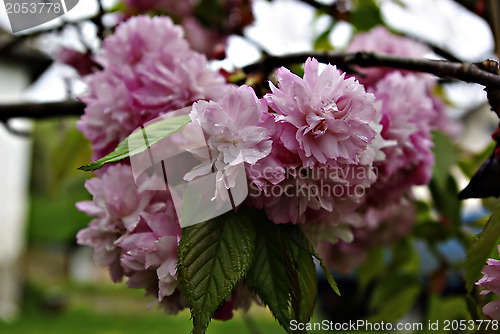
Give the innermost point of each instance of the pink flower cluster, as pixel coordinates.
(207, 34)
(381, 40)
(135, 232)
(408, 116)
(318, 150)
(491, 282)
(409, 111)
(317, 170)
(148, 70)
(379, 227)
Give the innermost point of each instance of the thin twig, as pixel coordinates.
(441, 68)
(97, 20)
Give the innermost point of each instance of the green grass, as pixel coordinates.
(107, 309)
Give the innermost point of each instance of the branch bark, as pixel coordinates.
(444, 69)
(41, 110)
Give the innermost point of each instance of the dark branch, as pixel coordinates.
(315, 4)
(40, 110)
(444, 69)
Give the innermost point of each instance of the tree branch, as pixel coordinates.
(441, 68)
(466, 72)
(41, 110)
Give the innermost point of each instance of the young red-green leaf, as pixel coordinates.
(213, 257)
(136, 143)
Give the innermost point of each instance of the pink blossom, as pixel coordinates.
(142, 36)
(326, 118)
(408, 116)
(175, 7)
(381, 40)
(148, 70)
(491, 282)
(211, 42)
(109, 118)
(234, 128)
(376, 227)
(292, 193)
(135, 230)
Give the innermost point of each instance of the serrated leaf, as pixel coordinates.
(479, 250)
(213, 257)
(136, 143)
(306, 277)
(283, 274)
(268, 276)
(301, 239)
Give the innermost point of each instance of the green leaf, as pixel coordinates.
(470, 164)
(443, 185)
(322, 42)
(301, 239)
(268, 275)
(68, 153)
(366, 15)
(446, 308)
(119, 7)
(479, 250)
(213, 257)
(306, 276)
(139, 142)
(472, 307)
(394, 296)
(373, 267)
(446, 200)
(446, 155)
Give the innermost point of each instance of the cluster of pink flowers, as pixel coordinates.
(207, 34)
(491, 282)
(135, 232)
(409, 111)
(148, 70)
(317, 170)
(318, 150)
(381, 40)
